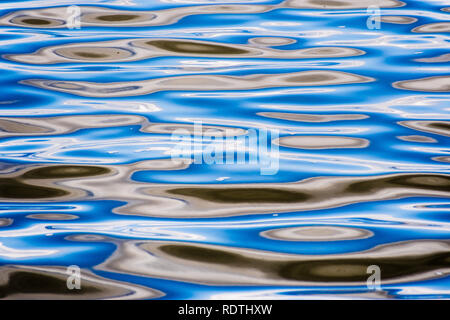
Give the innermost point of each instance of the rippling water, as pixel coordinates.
(87, 178)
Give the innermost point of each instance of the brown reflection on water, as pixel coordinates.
(437, 27)
(201, 83)
(118, 17)
(93, 53)
(398, 19)
(417, 138)
(16, 189)
(191, 47)
(108, 17)
(423, 182)
(27, 126)
(64, 171)
(429, 84)
(139, 49)
(29, 21)
(209, 200)
(214, 264)
(23, 282)
(242, 195)
(40, 183)
(310, 194)
(437, 127)
(63, 182)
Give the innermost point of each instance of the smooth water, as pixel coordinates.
(87, 177)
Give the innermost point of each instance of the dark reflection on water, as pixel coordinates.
(194, 48)
(36, 21)
(140, 49)
(356, 269)
(324, 270)
(409, 183)
(444, 126)
(211, 264)
(422, 182)
(22, 282)
(237, 195)
(16, 189)
(117, 17)
(55, 172)
(436, 127)
(19, 187)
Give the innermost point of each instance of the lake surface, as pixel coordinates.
(195, 149)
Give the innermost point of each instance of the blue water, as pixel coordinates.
(87, 177)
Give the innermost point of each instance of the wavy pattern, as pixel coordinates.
(87, 126)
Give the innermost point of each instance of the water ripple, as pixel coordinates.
(87, 175)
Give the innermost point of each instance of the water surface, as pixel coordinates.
(87, 178)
